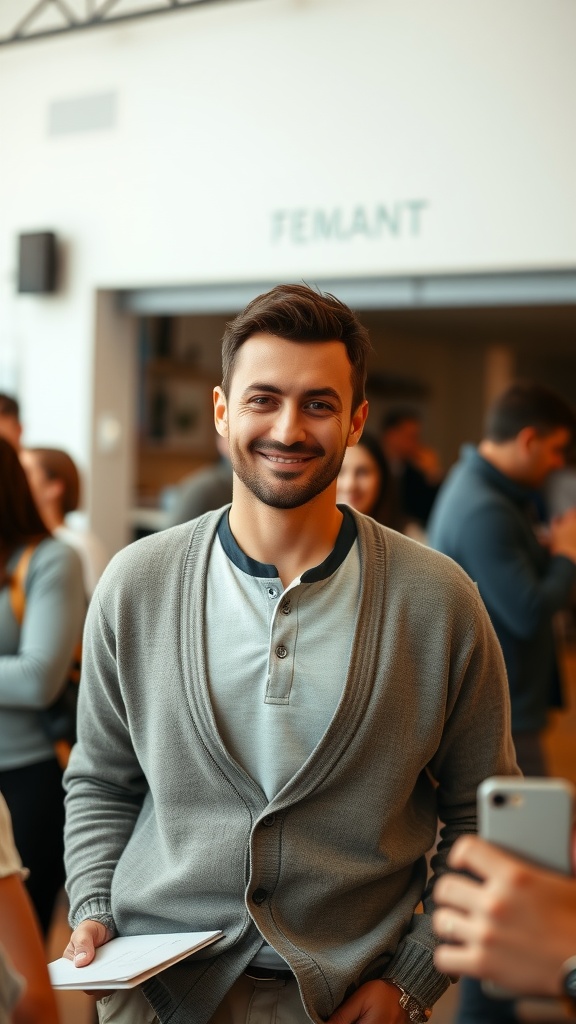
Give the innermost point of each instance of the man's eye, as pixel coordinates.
(319, 406)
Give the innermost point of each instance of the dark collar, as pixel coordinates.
(251, 567)
(518, 493)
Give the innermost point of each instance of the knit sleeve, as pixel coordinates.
(477, 695)
(104, 782)
(53, 618)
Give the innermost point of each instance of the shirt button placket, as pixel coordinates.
(282, 652)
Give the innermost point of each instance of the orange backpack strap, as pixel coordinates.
(17, 584)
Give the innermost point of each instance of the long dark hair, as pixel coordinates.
(20, 520)
(384, 510)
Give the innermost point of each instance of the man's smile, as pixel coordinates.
(295, 461)
(294, 456)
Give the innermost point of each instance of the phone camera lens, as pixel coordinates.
(499, 799)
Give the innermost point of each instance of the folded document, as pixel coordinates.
(129, 960)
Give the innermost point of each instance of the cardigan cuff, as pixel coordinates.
(413, 968)
(94, 910)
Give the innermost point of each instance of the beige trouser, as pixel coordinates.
(247, 1002)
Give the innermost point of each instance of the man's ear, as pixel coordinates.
(526, 437)
(357, 424)
(220, 411)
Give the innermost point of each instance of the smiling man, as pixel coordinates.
(279, 701)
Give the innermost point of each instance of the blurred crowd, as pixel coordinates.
(48, 571)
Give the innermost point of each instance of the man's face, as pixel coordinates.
(288, 417)
(404, 440)
(546, 452)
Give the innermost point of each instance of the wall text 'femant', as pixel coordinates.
(303, 226)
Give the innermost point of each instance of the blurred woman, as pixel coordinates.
(37, 640)
(365, 482)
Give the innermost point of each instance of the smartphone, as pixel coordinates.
(529, 817)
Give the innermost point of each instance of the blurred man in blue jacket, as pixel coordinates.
(484, 519)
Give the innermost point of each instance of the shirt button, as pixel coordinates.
(281, 651)
(269, 820)
(259, 896)
(272, 592)
(286, 607)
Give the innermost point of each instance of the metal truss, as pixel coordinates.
(94, 15)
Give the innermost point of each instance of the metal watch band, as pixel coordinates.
(417, 1013)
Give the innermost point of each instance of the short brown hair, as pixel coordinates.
(57, 465)
(528, 404)
(296, 312)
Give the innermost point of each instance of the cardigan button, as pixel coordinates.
(269, 820)
(259, 896)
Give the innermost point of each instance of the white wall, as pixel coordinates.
(244, 129)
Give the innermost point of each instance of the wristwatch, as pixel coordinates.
(569, 980)
(416, 1012)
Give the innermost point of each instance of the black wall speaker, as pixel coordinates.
(37, 262)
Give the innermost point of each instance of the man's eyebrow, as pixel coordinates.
(263, 387)
(323, 392)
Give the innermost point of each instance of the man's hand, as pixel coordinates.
(563, 535)
(515, 926)
(427, 461)
(376, 1002)
(84, 942)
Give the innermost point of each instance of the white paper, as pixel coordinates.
(129, 960)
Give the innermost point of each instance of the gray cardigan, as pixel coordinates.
(166, 832)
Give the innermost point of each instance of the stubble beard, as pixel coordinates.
(286, 492)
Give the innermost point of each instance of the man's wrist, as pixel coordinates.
(104, 919)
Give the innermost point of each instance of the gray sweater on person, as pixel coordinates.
(165, 832)
(35, 657)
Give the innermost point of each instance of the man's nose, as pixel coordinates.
(288, 426)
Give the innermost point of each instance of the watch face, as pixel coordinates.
(570, 983)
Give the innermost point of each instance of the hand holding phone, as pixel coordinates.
(502, 916)
(530, 817)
